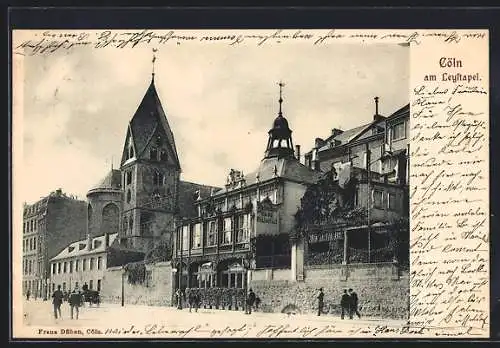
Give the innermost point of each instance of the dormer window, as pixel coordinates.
(71, 248)
(97, 244)
(82, 246)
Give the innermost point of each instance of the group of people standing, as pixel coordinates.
(75, 300)
(349, 303)
(194, 300)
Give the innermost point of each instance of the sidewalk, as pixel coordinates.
(41, 313)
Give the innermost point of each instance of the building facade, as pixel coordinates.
(369, 168)
(81, 262)
(48, 226)
(245, 225)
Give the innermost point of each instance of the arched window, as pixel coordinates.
(163, 155)
(129, 196)
(110, 218)
(153, 154)
(89, 217)
(157, 178)
(125, 225)
(131, 224)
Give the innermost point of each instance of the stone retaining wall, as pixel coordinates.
(383, 290)
(157, 291)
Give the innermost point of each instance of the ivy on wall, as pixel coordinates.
(325, 202)
(136, 272)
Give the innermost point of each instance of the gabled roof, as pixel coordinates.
(79, 248)
(400, 112)
(148, 118)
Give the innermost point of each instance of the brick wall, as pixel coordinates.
(381, 290)
(158, 291)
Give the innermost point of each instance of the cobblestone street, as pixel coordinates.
(113, 321)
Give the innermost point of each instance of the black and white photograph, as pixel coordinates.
(235, 189)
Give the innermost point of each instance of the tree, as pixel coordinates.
(325, 202)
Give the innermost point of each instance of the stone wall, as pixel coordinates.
(383, 290)
(156, 291)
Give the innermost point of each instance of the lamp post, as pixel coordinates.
(179, 269)
(123, 285)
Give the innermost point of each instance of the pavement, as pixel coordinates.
(111, 321)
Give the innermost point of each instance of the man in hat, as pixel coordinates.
(75, 301)
(321, 296)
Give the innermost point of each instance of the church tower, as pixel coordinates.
(150, 176)
(280, 135)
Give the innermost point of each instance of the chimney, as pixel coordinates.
(376, 106)
(318, 142)
(297, 152)
(89, 242)
(336, 131)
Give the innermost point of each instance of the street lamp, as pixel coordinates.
(179, 270)
(123, 285)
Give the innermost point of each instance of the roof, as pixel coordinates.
(111, 181)
(187, 196)
(344, 137)
(79, 248)
(286, 168)
(149, 118)
(402, 111)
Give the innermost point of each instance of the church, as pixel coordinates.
(141, 200)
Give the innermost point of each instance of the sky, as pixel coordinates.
(220, 102)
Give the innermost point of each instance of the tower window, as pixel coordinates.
(128, 178)
(158, 178)
(163, 155)
(129, 196)
(153, 154)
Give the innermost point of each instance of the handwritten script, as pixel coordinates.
(449, 198)
(49, 42)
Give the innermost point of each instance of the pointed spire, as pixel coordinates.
(153, 67)
(281, 84)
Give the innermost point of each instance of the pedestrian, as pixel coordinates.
(178, 297)
(190, 298)
(257, 302)
(75, 301)
(321, 296)
(354, 304)
(345, 304)
(196, 298)
(250, 302)
(85, 287)
(28, 293)
(57, 300)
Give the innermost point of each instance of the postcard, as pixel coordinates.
(298, 183)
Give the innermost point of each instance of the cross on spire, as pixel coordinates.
(281, 84)
(153, 61)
